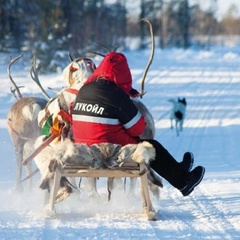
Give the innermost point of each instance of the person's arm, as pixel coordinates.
(132, 120)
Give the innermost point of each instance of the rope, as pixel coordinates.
(30, 175)
(39, 149)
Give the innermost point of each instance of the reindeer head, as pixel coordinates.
(78, 71)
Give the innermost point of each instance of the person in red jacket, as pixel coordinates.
(104, 112)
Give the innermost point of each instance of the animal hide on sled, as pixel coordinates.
(103, 155)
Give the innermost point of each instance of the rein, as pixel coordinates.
(30, 175)
(47, 113)
(39, 149)
(71, 90)
(52, 137)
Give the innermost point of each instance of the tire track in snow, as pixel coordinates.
(211, 217)
(193, 217)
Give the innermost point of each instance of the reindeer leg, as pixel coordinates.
(19, 158)
(29, 171)
(154, 189)
(73, 182)
(109, 187)
(133, 182)
(91, 184)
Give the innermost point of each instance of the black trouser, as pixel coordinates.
(166, 166)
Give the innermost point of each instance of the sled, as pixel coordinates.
(127, 169)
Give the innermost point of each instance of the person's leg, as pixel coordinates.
(167, 167)
(174, 172)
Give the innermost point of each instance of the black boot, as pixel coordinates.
(187, 161)
(195, 177)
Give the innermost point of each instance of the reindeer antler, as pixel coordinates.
(104, 46)
(34, 75)
(13, 91)
(70, 57)
(150, 58)
(16, 88)
(96, 53)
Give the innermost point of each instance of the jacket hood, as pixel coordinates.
(114, 67)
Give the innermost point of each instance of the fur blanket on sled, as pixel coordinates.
(103, 155)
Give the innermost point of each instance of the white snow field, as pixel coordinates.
(210, 82)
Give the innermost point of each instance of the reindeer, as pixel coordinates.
(23, 122)
(22, 126)
(27, 116)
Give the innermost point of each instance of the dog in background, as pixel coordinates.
(178, 113)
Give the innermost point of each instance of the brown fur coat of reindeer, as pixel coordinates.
(22, 127)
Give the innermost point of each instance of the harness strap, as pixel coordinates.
(65, 115)
(39, 149)
(30, 175)
(61, 104)
(72, 90)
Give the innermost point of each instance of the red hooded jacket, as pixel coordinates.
(103, 110)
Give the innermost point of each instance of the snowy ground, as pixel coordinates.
(210, 81)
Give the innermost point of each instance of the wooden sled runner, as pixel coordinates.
(127, 169)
